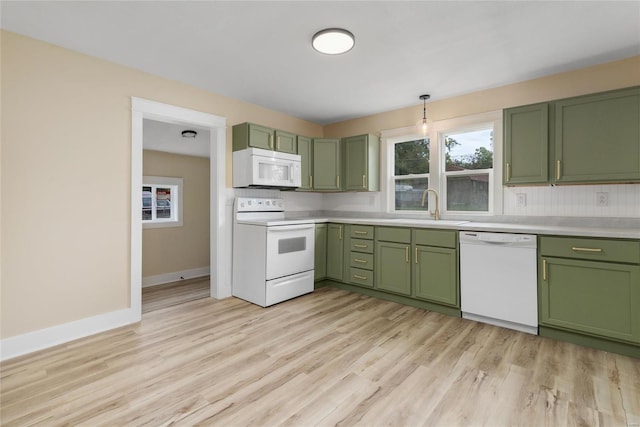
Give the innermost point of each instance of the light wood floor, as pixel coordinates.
(328, 358)
(170, 294)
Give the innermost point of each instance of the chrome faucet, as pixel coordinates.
(436, 213)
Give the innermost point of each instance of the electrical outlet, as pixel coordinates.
(602, 198)
(521, 200)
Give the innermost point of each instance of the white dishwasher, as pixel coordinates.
(498, 279)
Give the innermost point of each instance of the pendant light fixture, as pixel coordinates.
(333, 41)
(424, 112)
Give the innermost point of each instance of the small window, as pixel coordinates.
(161, 202)
(468, 175)
(411, 176)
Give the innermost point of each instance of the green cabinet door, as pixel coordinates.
(247, 135)
(597, 137)
(526, 144)
(326, 164)
(286, 142)
(360, 164)
(392, 267)
(594, 297)
(320, 263)
(335, 251)
(305, 152)
(436, 274)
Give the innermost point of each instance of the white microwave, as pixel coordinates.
(255, 167)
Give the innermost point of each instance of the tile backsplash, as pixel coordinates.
(613, 200)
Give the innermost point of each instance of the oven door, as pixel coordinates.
(289, 249)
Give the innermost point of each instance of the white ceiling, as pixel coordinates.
(260, 51)
(167, 137)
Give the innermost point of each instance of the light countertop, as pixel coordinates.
(623, 228)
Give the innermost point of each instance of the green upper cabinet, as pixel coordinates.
(247, 135)
(326, 164)
(361, 158)
(597, 137)
(335, 251)
(286, 142)
(320, 253)
(587, 139)
(526, 145)
(305, 151)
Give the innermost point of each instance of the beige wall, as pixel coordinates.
(66, 177)
(173, 249)
(598, 78)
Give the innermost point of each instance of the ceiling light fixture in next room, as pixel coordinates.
(333, 41)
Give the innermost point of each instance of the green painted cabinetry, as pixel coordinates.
(247, 135)
(326, 164)
(597, 137)
(286, 142)
(586, 139)
(435, 266)
(320, 253)
(335, 251)
(590, 287)
(526, 145)
(361, 255)
(305, 151)
(361, 163)
(392, 260)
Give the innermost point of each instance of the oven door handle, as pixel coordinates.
(290, 227)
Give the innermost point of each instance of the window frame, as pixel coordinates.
(176, 185)
(436, 132)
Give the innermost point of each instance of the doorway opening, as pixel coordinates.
(220, 285)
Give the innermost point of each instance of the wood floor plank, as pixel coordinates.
(328, 358)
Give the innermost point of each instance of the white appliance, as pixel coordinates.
(498, 279)
(272, 257)
(254, 167)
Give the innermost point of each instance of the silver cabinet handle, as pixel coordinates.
(358, 245)
(361, 261)
(544, 270)
(357, 276)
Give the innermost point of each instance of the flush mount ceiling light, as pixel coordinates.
(189, 133)
(333, 41)
(424, 112)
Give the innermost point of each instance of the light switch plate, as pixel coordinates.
(521, 200)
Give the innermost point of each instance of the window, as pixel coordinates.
(456, 158)
(411, 173)
(161, 202)
(468, 160)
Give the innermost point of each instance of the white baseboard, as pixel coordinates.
(175, 276)
(60, 334)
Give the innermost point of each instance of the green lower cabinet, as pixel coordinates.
(320, 254)
(335, 251)
(392, 267)
(435, 274)
(597, 298)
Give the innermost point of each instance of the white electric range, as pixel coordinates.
(272, 257)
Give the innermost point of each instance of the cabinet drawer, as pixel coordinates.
(360, 245)
(627, 251)
(360, 260)
(361, 277)
(393, 234)
(362, 231)
(440, 238)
